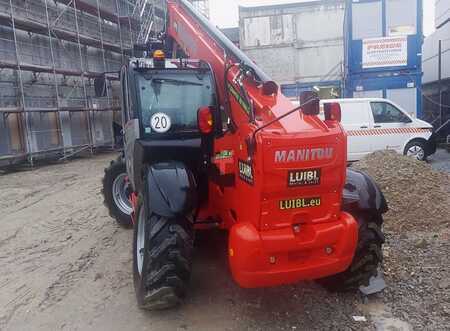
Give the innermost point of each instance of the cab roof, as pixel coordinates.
(148, 63)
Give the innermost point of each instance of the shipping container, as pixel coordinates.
(383, 51)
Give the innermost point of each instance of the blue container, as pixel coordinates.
(383, 44)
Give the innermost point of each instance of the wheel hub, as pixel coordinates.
(417, 152)
(121, 194)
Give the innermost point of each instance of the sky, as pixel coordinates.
(224, 13)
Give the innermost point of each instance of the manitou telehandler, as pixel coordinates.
(211, 141)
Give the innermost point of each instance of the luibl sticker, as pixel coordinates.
(222, 155)
(245, 171)
(300, 203)
(304, 177)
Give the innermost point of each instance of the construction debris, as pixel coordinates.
(376, 285)
(359, 319)
(416, 251)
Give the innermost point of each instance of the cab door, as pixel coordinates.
(130, 125)
(357, 124)
(392, 127)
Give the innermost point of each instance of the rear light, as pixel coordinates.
(205, 120)
(332, 112)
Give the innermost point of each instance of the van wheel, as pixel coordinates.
(416, 149)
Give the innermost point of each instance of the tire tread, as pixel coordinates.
(168, 267)
(367, 258)
(115, 167)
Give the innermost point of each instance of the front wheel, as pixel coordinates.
(116, 191)
(367, 259)
(416, 149)
(162, 258)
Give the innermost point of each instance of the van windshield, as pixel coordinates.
(178, 95)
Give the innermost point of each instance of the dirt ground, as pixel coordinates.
(440, 160)
(65, 265)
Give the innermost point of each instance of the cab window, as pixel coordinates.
(177, 95)
(384, 112)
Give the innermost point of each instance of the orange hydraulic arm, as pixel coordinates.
(199, 39)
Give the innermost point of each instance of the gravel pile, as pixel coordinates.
(418, 196)
(417, 248)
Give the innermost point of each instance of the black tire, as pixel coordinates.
(115, 169)
(166, 259)
(367, 259)
(420, 145)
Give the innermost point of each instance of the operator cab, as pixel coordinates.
(162, 101)
(169, 94)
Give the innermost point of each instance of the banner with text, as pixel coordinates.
(385, 52)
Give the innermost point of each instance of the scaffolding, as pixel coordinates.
(59, 64)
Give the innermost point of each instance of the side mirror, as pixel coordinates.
(205, 119)
(311, 103)
(332, 112)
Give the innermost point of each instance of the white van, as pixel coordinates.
(377, 124)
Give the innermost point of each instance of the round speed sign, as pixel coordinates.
(160, 122)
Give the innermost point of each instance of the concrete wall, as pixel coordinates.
(297, 42)
(442, 12)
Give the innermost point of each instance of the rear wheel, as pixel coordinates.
(367, 259)
(162, 250)
(116, 192)
(416, 149)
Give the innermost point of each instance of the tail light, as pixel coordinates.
(205, 120)
(332, 112)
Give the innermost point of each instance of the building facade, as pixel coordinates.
(436, 93)
(442, 13)
(351, 48)
(59, 63)
(299, 45)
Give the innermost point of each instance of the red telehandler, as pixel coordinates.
(210, 141)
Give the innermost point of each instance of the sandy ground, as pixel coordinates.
(65, 265)
(440, 160)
